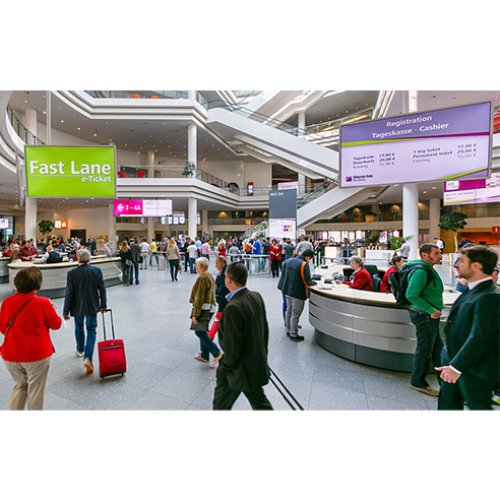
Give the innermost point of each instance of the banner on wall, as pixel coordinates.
(71, 171)
(472, 191)
(283, 204)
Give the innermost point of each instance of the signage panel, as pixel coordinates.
(70, 171)
(472, 191)
(283, 204)
(282, 228)
(436, 145)
(142, 208)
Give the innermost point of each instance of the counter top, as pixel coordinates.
(98, 260)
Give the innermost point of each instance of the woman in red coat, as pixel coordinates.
(361, 278)
(275, 258)
(396, 263)
(27, 348)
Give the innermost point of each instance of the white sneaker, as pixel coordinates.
(79, 353)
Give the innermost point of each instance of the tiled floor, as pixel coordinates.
(153, 320)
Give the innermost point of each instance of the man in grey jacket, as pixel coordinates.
(294, 282)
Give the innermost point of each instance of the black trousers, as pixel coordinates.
(225, 397)
(475, 391)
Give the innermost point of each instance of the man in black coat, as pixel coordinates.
(470, 359)
(243, 336)
(85, 297)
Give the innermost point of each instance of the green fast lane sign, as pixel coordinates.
(70, 171)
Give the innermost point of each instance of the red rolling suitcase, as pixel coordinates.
(111, 352)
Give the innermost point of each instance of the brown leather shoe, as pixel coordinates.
(430, 391)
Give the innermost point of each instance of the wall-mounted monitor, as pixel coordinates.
(444, 144)
(472, 191)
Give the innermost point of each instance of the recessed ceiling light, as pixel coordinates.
(78, 128)
(44, 112)
(433, 187)
(95, 135)
(425, 192)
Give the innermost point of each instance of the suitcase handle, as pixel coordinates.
(104, 323)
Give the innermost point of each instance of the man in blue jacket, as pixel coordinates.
(85, 297)
(294, 282)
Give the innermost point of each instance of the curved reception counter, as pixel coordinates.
(54, 275)
(365, 327)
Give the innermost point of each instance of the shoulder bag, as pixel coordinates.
(16, 314)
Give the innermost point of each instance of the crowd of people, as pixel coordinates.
(466, 365)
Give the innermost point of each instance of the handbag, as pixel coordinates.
(179, 267)
(128, 262)
(141, 259)
(202, 321)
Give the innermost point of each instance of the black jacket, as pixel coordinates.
(244, 336)
(220, 289)
(85, 291)
(473, 332)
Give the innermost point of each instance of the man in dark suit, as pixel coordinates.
(470, 359)
(85, 297)
(243, 336)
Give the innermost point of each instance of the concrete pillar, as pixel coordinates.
(150, 161)
(192, 209)
(410, 191)
(410, 218)
(204, 221)
(192, 94)
(30, 121)
(192, 153)
(112, 236)
(151, 229)
(30, 218)
(301, 124)
(434, 214)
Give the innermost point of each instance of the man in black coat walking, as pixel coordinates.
(85, 297)
(243, 336)
(470, 359)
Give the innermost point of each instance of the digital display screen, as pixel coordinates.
(472, 191)
(443, 145)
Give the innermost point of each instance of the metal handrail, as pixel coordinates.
(24, 134)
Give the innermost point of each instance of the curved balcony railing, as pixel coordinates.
(25, 135)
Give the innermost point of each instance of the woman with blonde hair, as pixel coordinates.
(125, 254)
(204, 304)
(174, 258)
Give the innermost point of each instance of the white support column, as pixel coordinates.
(204, 221)
(434, 214)
(30, 121)
(410, 191)
(30, 209)
(192, 209)
(302, 125)
(192, 94)
(410, 217)
(150, 162)
(112, 236)
(30, 216)
(192, 153)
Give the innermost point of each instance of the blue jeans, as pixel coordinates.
(207, 345)
(429, 347)
(87, 347)
(191, 264)
(174, 268)
(134, 269)
(155, 255)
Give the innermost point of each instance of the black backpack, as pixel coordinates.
(398, 281)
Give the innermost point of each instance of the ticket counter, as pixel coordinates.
(362, 326)
(54, 275)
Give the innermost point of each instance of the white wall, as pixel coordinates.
(259, 173)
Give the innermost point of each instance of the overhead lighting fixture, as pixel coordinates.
(433, 187)
(62, 121)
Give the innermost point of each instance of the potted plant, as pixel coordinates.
(45, 226)
(189, 169)
(453, 221)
